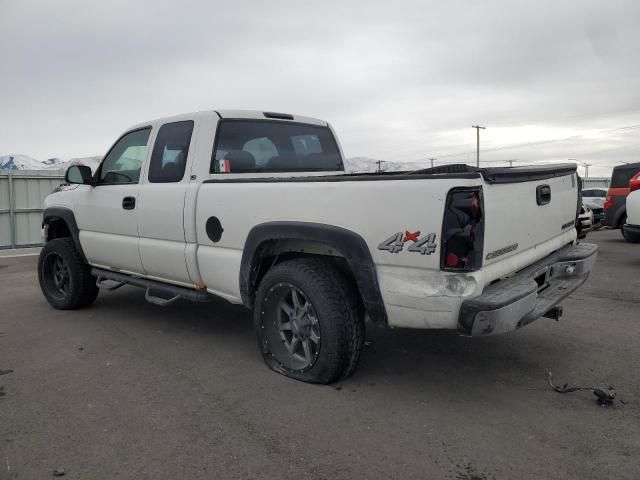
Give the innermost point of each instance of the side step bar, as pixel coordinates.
(172, 292)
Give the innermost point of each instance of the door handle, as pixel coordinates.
(543, 194)
(129, 203)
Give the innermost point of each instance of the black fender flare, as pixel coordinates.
(346, 242)
(67, 216)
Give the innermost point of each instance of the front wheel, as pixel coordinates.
(309, 321)
(65, 280)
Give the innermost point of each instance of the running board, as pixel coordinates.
(152, 287)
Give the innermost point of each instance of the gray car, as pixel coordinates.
(594, 199)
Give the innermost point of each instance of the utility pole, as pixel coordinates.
(432, 160)
(584, 164)
(379, 163)
(478, 127)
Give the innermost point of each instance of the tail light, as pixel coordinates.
(462, 230)
(608, 202)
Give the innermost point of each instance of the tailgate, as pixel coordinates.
(526, 207)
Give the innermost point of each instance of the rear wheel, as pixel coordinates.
(65, 280)
(309, 321)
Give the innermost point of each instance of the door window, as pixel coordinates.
(169, 156)
(123, 162)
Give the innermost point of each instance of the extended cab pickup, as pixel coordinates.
(255, 207)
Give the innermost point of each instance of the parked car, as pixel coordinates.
(255, 208)
(585, 222)
(615, 210)
(631, 229)
(593, 198)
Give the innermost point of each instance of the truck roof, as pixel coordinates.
(235, 114)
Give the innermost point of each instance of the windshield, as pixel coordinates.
(274, 146)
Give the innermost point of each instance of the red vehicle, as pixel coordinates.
(615, 210)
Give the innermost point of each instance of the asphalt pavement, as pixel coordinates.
(129, 390)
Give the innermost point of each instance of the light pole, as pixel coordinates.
(432, 160)
(584, 164)
(478, 127)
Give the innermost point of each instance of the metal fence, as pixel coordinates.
(22, 195)
(595, 182)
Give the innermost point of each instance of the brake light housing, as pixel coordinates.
(608, 202)
(463, 230)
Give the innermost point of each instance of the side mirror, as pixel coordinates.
(78, 174)
(634, 184)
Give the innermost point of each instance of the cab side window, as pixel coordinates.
(169, 157)
(124, 161)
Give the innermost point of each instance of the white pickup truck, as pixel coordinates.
(255, 207)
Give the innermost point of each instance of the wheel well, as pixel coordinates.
(58, 228)
(273, 242)
(273, 252)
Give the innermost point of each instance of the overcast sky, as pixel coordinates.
(398, 80)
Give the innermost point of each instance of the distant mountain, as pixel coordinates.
(366, 164)
(20, 162)
(25, 162)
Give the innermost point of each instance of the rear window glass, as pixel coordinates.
(621, 176)
(594, 193)
(169, 157)
(274, 146)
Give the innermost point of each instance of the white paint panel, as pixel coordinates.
(116, 251)
(513, 215)
(164, 259)
(220, 270)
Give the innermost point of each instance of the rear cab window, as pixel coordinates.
(245, 146)
(169, 156)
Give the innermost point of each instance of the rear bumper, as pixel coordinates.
(529, 294)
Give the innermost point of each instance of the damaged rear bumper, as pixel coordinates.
(529, 294)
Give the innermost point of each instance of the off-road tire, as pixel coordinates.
(336, 303)
(81, 290)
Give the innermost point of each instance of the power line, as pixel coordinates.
(542, 142)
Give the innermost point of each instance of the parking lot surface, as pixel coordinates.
(125, 389)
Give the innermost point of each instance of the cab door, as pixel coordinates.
(162, 202)
(106, 213)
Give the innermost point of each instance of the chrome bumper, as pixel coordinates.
(529, 294)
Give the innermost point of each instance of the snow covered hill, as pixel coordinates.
(25, 162)
(366, 164)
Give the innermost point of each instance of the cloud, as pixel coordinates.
(398, 80)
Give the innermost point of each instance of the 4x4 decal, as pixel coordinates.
(395, 243)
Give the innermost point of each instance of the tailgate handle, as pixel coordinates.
(543, 194)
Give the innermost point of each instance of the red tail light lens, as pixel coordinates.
(463, 230)
(608, 202)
